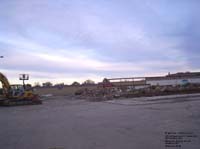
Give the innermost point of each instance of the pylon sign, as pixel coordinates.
(24, 77)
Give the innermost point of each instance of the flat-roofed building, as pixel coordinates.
(175, 79)
(180, 78)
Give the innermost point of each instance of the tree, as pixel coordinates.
(75, 83)
(37, 84)
(59, 85)
(47, 84)
(88, 82)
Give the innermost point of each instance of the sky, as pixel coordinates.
(75, 40)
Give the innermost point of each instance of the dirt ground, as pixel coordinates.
(67, 90)
(63, 122)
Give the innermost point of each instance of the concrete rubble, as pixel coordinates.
(103, 94)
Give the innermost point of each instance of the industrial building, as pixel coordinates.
(180, 78)
(175, 79)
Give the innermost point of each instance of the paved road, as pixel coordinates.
(78, 124)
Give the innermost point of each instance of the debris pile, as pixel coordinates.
(102, 94)
(99, 94)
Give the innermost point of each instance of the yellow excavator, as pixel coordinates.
(17, 94)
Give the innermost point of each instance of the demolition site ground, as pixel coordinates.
(64, 122)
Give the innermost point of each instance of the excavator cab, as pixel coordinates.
(17, 90)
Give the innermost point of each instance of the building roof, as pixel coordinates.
(179, 75)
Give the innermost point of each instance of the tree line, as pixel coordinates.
(75, 83)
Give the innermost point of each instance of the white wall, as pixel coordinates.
(172, 81)
(141, 86)
(194, 80)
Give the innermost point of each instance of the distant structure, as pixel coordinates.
(180, 78)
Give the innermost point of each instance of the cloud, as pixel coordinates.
(68, 39)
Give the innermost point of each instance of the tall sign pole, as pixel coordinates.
(23, 77)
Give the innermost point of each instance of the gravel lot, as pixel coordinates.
(65, 123)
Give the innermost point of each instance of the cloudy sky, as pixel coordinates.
(68, 40)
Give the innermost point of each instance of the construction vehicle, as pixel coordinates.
(17, 94)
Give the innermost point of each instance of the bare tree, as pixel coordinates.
(47, 84)
(37, 84)
(88, 82)
(75, 83)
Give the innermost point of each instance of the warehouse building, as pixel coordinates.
(175, 79)
(181, 78)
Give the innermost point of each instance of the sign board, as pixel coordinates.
(23, 77)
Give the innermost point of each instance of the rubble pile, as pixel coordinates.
(163, 90)
(102, 94)
(99, 94)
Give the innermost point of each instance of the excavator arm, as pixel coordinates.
(5, 84)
